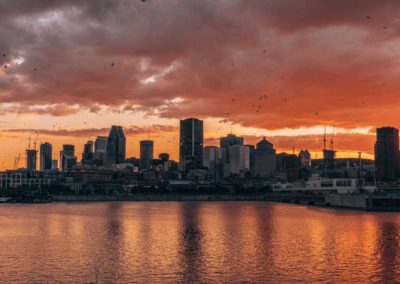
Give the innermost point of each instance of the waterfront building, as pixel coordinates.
(46, 155)
(265, 159)
(387, 153)
(146, 153)
(12, 179)
(116, 146)
(191, 144)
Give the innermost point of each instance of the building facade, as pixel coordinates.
(191, 144)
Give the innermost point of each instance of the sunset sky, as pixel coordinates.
(279, 68)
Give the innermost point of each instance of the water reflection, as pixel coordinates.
(191, 242)
(388, 249)
(206, 242)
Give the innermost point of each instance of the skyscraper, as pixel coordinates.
(46, 155)
(387, 153)
(31, 157)
(265, 159)
(116, 146)
(146, 153)
(191, 143)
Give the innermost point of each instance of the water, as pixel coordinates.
(213, 242)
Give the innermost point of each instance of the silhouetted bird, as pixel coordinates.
(112, 64)
(34, 69)
(316, 113)
(384, 27)
(4, 55)
(264, 50)
(368, 17)
(5, 66)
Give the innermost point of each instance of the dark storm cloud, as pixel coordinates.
(316, 62)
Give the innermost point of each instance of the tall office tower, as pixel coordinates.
(239, 157)
(87, 154)
(265, 159)
(31, 157)
(305, 158)
(146, 153)
(116, 146)
(191, 144)
(67, 157)
(387, 153)
(46, 155)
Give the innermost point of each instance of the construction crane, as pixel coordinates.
(16, 161)
(36, 139)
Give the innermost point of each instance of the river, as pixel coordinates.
(212, 242)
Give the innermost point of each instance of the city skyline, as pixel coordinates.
(278, 77)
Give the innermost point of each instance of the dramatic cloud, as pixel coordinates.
(262, 64)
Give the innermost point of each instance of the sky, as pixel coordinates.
(282, 69)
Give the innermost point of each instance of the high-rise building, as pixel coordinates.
(67, 157)
(146, 153)
(88, 154)
(387, 153)
(191, 144)
(46, 155)
(265, 159)
(31, 157)
(116, 146)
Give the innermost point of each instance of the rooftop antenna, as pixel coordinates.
(148, 133)
(29, 141)
(333, 135)
(325, 138)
